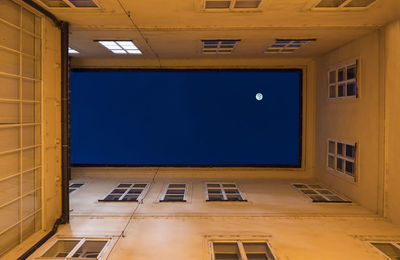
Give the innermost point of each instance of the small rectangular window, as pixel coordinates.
(317, 193)
(390, 249)
(77, 248)
(126, 192)
(345, 85)
(343, 160)
(223, 192)
(174, 192)
(238, 250)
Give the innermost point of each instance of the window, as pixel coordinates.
(77, 248)
(231, 4)
(126, 192)
(341, 157)
(218, 46)
(20, 124)
(287, 45)
(317, 193)
(69, 3)
(74, 186)
(223, 192)
(343, 4)
(390, 249)
(174, 192)
(238, 250)
(342, 81)
(121, 47)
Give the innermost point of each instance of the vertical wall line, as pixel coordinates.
(65, 163)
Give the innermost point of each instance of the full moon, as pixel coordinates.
(259, 96)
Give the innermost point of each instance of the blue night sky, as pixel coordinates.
(185, 118)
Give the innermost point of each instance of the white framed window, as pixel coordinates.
(73, 248)
(390, 249)
(126, 192)
(318, 193)
(174, 192)
(341, 157)
(74, 186)
(342, 81)
(70, 3)
(223, 192)
(241, 250)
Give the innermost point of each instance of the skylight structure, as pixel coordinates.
(121, 47)
(72, 51)
(286, 45)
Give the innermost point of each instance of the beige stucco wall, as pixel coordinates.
(354, 120)
(392, 108)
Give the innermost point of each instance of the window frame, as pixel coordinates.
(166, 188)
(395, 243)
(239, 242)
(225, 199)
(317, 192)
(352, 178)
(356, 80)
(231, 7)
(139, 198)
(77, 247)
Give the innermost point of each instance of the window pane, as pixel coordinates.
(10, 36)
(350, 167)
(9, 139)
(9, 190)
(332, 91)
(28, 44)
(226, 251)
(341, 74)
(9, 87)
(332, 76)
(9, 112)
(332, 147)
(61, 248)
(10, 12)
(9, 239)
(350, 151)
(9, 62)
(28, 21)
(9, 215)
(351, 72)
(351, 89)
(341, 91)
(331, 162)
(339, 164)
(90, 249)
(388, 249)
(9, 164)
(340, 148)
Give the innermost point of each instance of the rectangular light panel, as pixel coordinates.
(121, 47)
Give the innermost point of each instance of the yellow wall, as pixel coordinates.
(392, 124)
(51, 135)
(353, 120)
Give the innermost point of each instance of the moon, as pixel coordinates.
(259, 96)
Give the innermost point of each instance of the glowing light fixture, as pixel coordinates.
(121, 47)
(72, 51)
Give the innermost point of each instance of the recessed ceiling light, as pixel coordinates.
(72, 51)
(121, 47)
